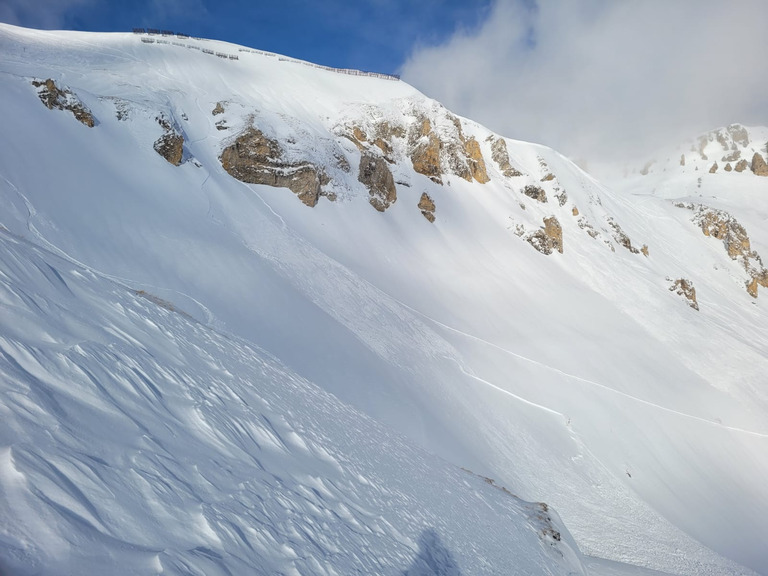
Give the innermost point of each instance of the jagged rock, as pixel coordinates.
(425, 153)
(427, 207)
(548, 177)
(741, 165)
(500, 155)
(621, 237)
(219, 109)
(376, 176)
(575, 211)
(685, 288)
(644, 250)
(535, 192)
(728, 167)
(721, 225)
(562, 197)
(738, 134)
(476, 161)
(63, 99)
(256, 159)
(548, 238)
(682, 159)
(759, 167)
(171, 147)
(713, 169)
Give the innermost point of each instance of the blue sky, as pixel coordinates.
(366, 34)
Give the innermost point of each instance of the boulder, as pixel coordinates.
(427, 207)
(256, 159)
(759, 167)
(375, 174)
(63, 99)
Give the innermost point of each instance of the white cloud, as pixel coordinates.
(604, 79)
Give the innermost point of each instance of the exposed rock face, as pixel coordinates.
(535, 192)
(425, 153)
(63, 99)
(721, 225)
(741, 165)
(476, 161)
(256, 159)
(171, 147)
(375, 174)
(548, 238)
(500, 155)
(732, 157)
(685, 288)
(621, 237)
(427, 207)
(219, 109)
(171, 144)
(713, 169)
(759, 167)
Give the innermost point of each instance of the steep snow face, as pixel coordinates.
(139, 441)
(573, 377)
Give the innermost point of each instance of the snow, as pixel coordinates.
(181, 350)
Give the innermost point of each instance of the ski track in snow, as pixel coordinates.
(571, 376)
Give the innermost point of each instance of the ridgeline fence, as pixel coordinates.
(155, 36)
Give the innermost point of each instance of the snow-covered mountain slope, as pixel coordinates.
(482, 296)
(139, 441)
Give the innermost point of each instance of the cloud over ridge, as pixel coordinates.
(604, 80)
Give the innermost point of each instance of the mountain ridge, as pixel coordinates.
(419, 324)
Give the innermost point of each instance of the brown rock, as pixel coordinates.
(741, 165)
(713, 169)
(427, 207)
(219, 109)
(548, 238)
(476, 161)
(425, 155)
(752, 287)
(685, 288)
(620, 236)
(500, 155)
(759, 167)
(575, 211)
(63, 99)
(535, 192)
(375, 174)
(728, 167)
(170, 146)
(548, 177)
(256, 159)
(644, 250)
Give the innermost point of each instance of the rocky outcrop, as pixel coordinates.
(256, 159)
(427, 207)
(500, 155)
(713, 169)
(425, 152)
(535, 192)
(722, 226)
(732, 157)
(759, 167)
(63, 99)
(218, 109)
(685, 288)
(476, 162)
(644, 250)
(728, 167)
(575, 211)
(375, 174)
(548, 238)
(621, 237)
(741, 165)
(171, 144)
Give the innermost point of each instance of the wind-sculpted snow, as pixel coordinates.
(576, 377)
(136, 440)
